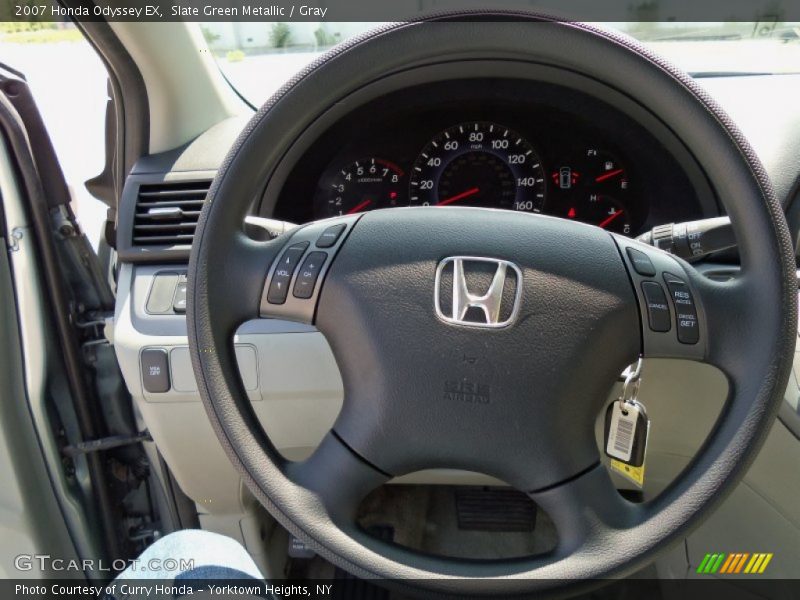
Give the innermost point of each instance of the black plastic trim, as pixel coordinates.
(130, 252)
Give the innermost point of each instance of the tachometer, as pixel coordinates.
(478, 164)
(362, 185)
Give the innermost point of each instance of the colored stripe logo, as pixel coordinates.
(735, 563)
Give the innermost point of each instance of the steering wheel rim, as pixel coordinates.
(607, 536)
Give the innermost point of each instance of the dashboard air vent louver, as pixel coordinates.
(167, 213)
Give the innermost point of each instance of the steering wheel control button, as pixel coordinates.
(307, 276)
(685, 310)
(641, 262)
(657, 306)
(155, 370)
(330, 236)
(282, 277)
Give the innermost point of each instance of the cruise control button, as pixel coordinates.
(657, 307)
(282, 277)
(307, 275)
(330, 236)
(685, 310)
(155, 370)
(641, 262)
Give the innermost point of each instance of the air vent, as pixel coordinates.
(167, 213)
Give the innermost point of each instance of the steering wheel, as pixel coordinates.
(512, 391)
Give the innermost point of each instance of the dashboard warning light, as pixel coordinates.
(565, 177)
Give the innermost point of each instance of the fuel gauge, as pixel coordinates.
(594, 189)
(604, 172)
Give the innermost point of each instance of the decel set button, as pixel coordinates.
(685, 310)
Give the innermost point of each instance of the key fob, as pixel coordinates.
(626, 428)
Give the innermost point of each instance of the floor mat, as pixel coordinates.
(494, 509)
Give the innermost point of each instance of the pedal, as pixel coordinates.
(494, 509)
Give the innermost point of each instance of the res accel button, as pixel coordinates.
(330, 236)
(685, 310)
(657, 307)
(308, 273)
(279, 286)
(155, 370)
(641, 262)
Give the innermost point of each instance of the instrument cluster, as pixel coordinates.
(565, 156)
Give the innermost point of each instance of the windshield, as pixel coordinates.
(257, 58)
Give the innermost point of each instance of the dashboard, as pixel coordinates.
(664, 184)
(524, 146)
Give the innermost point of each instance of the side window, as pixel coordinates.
(68, 81)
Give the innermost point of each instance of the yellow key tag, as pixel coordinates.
(634, 474)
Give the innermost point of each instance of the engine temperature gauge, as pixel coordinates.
(607, 213)
(594, 189)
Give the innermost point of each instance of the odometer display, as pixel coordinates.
(478, 164)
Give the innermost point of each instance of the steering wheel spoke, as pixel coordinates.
(687, 315)
(294, 281)
(244, 263)
(337, 478)
(729, 315)
(586, 510)
(674, 320)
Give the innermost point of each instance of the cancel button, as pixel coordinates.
(657, 306)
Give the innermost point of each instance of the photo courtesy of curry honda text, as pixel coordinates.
(399, 300)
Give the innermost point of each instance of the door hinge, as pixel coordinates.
(16, 236)
(106, 443)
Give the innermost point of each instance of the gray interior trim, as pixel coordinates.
(133, 115)
(36, 340)
(32, 519)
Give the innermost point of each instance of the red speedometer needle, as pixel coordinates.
(608, 175)
(457, 197)
(359, 207)
(608, 220)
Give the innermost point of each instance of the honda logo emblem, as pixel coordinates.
(493, 304)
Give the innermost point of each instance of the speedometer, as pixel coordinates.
(478, 164)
